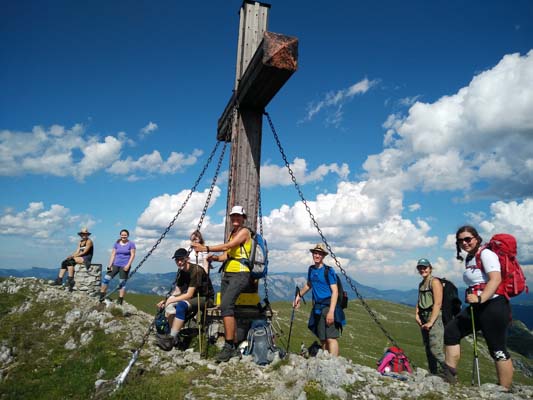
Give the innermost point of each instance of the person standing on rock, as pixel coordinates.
(82, 255)
(327, 317)
(492, 312)
(191, 294)
(120, 262)
(235, 278)
(429, 316)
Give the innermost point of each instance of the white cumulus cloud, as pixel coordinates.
(148, 129)
(484, 132)
(272, 175)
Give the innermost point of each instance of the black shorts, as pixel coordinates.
(492, 318)
(232, 285)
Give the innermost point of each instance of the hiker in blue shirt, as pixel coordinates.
(327, 317)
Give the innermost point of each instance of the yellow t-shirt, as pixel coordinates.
(235, 254)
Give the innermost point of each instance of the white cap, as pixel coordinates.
(237, 210)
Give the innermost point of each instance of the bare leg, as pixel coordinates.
(229, 328)
(504, 370)
(453, 355)
(332, 346)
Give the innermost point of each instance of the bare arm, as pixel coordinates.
(240, 238)
(112, 257)
(300, 294)
(88, 246)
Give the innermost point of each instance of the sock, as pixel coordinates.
(173, 333)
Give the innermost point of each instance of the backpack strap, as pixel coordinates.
(479, 263)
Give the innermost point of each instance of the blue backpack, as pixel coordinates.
(261, 343)
(257, 260)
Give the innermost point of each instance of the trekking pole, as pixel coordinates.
(296, 293)
(475, 364)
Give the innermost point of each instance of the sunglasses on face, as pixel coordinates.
(467, 239)
(422, 267)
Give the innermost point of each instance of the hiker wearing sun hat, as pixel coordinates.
(327, 317)
(82, 255)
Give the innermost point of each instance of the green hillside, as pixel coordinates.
(43, 367)
(363, 342)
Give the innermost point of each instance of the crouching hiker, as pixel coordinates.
(429, 316)
(189, 297)
(327, 317)
(82, 255)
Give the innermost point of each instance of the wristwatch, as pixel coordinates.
(478, 299)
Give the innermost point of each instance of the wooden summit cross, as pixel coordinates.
(265, 61)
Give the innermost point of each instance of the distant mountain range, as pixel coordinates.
(281, 287)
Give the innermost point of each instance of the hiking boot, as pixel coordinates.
(58, 282)
(120, 300)
(227, 353)
(448, 376)
(102, 297)
(165, 342)
(71, 284)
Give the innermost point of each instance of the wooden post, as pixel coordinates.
(265, 61)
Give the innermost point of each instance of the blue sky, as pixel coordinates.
(404, 121)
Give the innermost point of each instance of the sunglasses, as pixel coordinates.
(467, 239)
(422, 267)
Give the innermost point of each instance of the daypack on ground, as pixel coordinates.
(342, 299)
(261, 343)
(257, 260)
(513, 280)
(451, 304)
(394, 360)
(161, 322)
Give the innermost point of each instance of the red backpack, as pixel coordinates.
(394, 360)
(513, 280)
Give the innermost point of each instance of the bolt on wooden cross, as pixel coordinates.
(265, 61)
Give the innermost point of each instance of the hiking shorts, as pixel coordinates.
(232, 285)
(492, 318)
(324, 331)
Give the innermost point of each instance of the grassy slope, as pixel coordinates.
(362, 340)
(44, 369)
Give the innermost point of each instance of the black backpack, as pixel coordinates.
(451, 304)
(342, 299)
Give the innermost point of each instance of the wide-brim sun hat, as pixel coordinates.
(319, 247)
(84, 231)
(239, 210)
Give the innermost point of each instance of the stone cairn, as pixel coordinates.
(88, 278)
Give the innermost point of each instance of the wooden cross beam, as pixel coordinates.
(265, 61)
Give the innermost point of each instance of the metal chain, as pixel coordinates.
(123, 375)
(193, 189)
(260, 212)
(315, 223)
(213, 184)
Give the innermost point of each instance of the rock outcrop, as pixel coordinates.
(289, 378)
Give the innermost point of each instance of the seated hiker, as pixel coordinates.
(82, 255)
(120, 262)
(327, 317)
(428, 315)
(191, 294)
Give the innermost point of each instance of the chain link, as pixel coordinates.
(193, 189)
(260, 213)
(315, 223)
